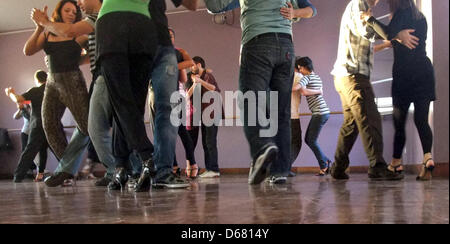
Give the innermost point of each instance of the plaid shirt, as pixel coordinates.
(355, 52)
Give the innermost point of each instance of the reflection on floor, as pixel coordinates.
(304, 199)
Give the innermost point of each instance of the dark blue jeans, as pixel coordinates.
(312, 133)
(267, 64)
(164, 83)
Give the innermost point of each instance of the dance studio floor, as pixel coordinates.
(305, 199)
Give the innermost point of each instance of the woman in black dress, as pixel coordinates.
(413, 79)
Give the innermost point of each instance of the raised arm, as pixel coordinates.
(35, 43)
(403, 36)
(187, 60)
(13, 96)
(61, 29)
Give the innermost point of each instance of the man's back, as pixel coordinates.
(263, 16)
(355, 54)
(36, 96)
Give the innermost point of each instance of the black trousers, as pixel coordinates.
(421, 112)
(37, 143)
(121, 149)
(24, 141)
(127, 78)
(296, 139)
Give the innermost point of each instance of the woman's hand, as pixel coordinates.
(39, 17)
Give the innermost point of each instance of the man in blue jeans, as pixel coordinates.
(164, 83)
(267, 64)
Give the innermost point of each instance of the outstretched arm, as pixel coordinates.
(36, 41)
(404, 36)
(13, 96)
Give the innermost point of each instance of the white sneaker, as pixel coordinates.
(209, 174)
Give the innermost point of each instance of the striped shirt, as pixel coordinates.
(355, 53)
(316, 103)
(91, 19)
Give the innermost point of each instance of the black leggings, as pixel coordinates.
(421, 111)
(188, 146)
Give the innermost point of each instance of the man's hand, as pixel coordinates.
(406, 38)
(8, 91)
(197, 79)
(287, 12)
(366, 15)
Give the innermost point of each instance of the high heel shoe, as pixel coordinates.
(427, 171)
(398, 168)
(326, 170)
(322, 172)
(194, 172)
(145, 180)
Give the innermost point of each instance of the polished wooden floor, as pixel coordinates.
(305, 199)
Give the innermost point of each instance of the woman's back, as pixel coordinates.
(405, 19)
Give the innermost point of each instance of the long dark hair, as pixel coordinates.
(396, 5)
(57, 15)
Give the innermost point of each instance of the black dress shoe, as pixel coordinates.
(382, 173)
(120, 179)
(145, 180)
(338, 173)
